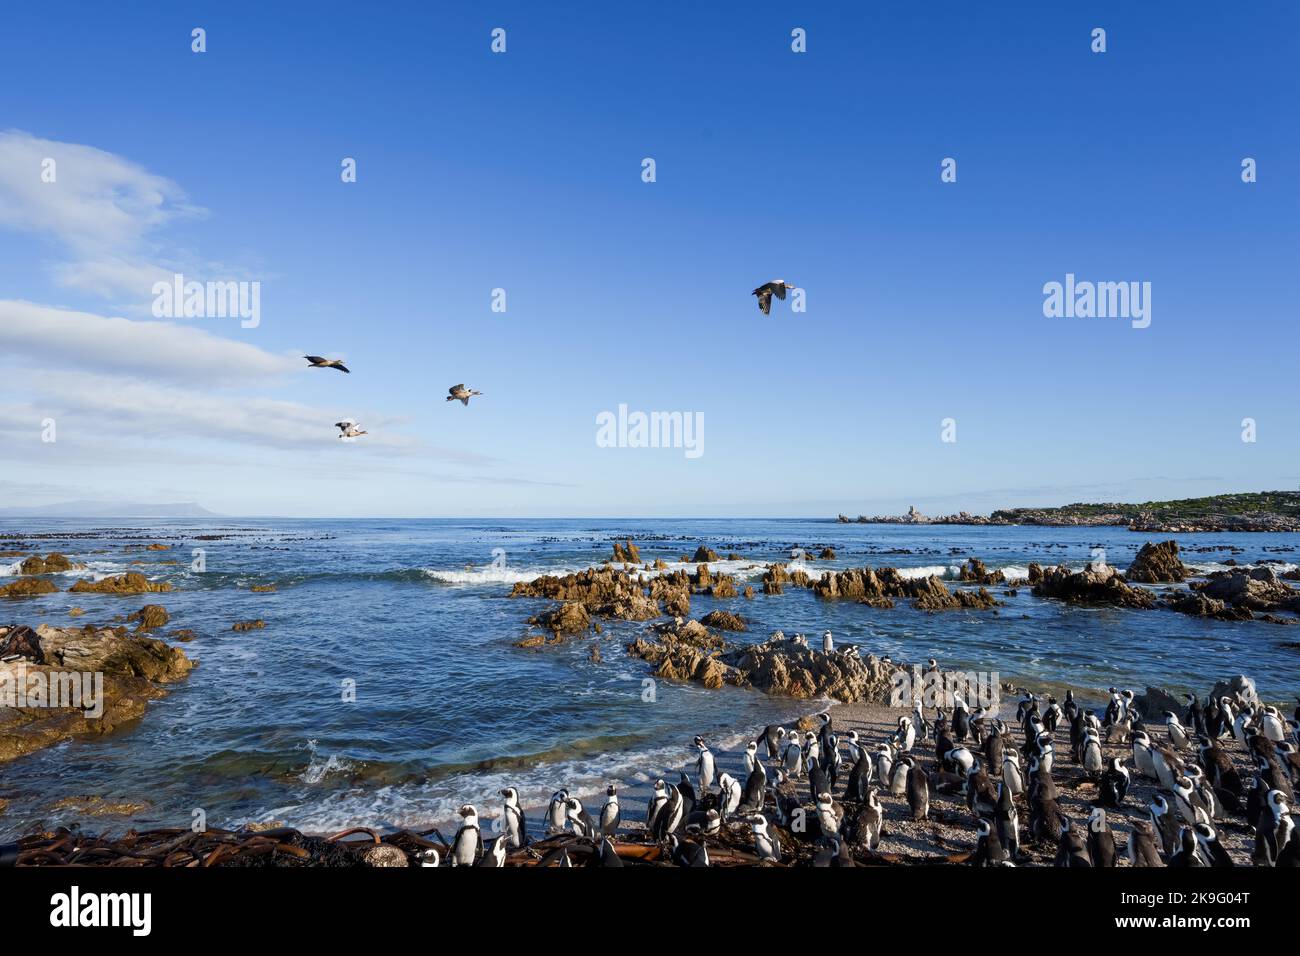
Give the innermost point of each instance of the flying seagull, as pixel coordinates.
(462, 393)
(317, 361)
(348, 429)
(765, 291)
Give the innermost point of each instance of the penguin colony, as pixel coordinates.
(820, 798)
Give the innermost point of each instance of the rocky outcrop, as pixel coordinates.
(256, 625)
(723, 587)
(880, 588)
(149, 617)
(782, 666)
(1157, 563)
(28, 587)
(1155, 702)
(133, 582)
(567, 618)
(685, 652)
(974, 571)
(1240, 689)
(827, 554)
(133, 668)
(788, 667)
(1257, 589)
(626, 554)
(705, 555)
(677, 602)
(1095, 584)
(604, 592)
(52, 563)
(1198, 605)
(724, 621)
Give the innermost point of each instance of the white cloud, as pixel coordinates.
(102, 207)
(161, 349)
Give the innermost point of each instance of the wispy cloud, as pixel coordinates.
(157, 349)
(102, 208)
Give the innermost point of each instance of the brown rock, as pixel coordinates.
(1157, 562)
(150, 616)
(28, 587)
(132, 667)
(723, 587)
(827, 554)
(705, 555)
(256, 625)
(52, 563)
(567, 618)
(724, 621)
(1095, 584)
(133, 582)
(630, 554)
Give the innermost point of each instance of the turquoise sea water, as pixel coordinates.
(447, 710)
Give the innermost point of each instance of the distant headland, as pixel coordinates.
(1246, 511)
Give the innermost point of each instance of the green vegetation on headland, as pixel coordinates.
(1246, 511)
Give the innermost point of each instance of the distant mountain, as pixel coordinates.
(109, 509)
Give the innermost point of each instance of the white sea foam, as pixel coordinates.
(491, 574)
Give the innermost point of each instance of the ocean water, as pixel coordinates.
(447, 710)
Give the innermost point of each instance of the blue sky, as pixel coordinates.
(522, 171)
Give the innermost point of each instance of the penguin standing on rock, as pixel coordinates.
(495, 857)
(767, 845)
(516, 826)
(658, 800)
(579, 818)
(670, 817)
(468, 842)
(556, 813)
(755, 791)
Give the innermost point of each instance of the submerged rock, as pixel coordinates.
(1157, 563)
(133, 582)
